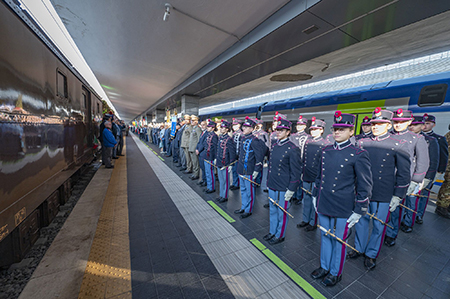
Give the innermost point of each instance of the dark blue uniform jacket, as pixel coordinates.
(285, 166)
(207, 149)
(433, 153)
(177, 140)
(311, 156)
(390, 165)
(443, 150)
(251, 154)
(226, 151)
(344, 183)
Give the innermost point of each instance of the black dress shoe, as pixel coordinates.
(115, 157)
(121, 155)
(245, 215)
(178, 165)
(370, 263)
(353, 255)
(319, 273)
(187, 171)
(239, 211)
(302, 224)
(112, 166)
(219, 198)
(266, 205)
(194, 177)
(310, 228)
(419, 220)
(266, 190)
(200, 183)
(407, 229)
(233, 187)
(276, 241)
(223, 200)
(331, 280)
(210, 191)
(183, 168)
(203, 184)
(388, 241)
(268, 237)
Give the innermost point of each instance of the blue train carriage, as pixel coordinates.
(425, 94)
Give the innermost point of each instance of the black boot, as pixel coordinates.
(331, 280)
(319, 273)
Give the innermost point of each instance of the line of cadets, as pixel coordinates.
(342, 178)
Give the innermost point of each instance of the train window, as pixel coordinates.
(432, 95)
(98, 108)
(84, 100)
(349, 98)
(61, 81)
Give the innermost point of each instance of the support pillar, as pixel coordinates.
(189, 104)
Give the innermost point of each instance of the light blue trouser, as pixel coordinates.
(371, 247)
(224, 181)
(332, 252)
(235, 175)
(258, 178)
(278, 218)
(396, 219)
(210, 178)
(423, 202)
(411, 202)
(248, 191)
(309, 213)
(299, 192)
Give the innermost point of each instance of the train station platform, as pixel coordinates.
(145, 230)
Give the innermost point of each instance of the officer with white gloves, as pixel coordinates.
(341, 193)
(283, 180)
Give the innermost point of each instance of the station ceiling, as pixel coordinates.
(145, 63)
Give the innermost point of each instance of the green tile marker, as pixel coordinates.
(221, 212)
(288, 271)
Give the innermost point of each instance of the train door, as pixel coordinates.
(86, 102)
(361, 109)
(359, 120)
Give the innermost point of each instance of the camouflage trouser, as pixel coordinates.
(443, 198)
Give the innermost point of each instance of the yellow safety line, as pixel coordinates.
(108, 271)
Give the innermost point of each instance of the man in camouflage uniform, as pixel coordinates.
(443, 199)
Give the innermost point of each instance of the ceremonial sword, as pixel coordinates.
(223, 168)
(275, 203)
(249, 180)
(328, 232)
(376, 218)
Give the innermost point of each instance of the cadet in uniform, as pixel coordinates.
(443, 202)
(299, 139)
(264, 137)
(283, 179)
(250, 164)
(225, 155)
(207, 151)
(236, 137)
(419, 203)
(185, 144)
(417, 150)
(390, 166)
(343, 188)
(193, 141)
(366, 129)
(273, 136)
(311, 160)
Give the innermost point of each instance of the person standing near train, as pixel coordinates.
(443, 202)
(366, 130)
(419, 203)
(237, 132)
(264, 137)
(283, 179)
(311, 166)
(250, 164)
(299, 139)
(417, 150)
(185, 144)
(207, 152)
(391, 175)
(343, 188)
(225, 155)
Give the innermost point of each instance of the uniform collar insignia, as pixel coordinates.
(342, 146)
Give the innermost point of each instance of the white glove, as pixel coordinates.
(395, 201)
(215, 161)
(288, 195)
(315, 203)
(229, 169)
(411, 188)
(425, 183)
(353, 219)
(255, 174)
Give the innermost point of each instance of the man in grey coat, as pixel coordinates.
(193, 141)
(185, 144)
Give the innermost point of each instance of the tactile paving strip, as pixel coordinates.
(108, 271)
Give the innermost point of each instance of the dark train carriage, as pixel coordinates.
(46, 131)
